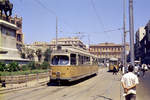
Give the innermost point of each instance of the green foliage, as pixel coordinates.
(39, 54)
(47, 54)
(45, 65)
(32, 65)
(24, 68)
(22, 72)
(2, 66)
(13, 66)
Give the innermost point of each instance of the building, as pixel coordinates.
(147, 43)
(74, 41)
(43, 46)
(140, 34)
(8, 48)
(142, 45)
(108, 50)
(19, 34)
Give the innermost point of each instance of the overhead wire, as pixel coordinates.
(99, 18)
(97, 15)
(45, 7)
(50, 11)
(100, 21)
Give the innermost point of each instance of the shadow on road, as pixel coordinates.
(100, 96)
(67, 83)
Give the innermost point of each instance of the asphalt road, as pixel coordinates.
(143, 89)
(104, 86)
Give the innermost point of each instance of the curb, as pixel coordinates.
(7, 90)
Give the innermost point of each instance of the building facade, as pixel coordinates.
(74, 41)
(142, 47)
(147, 43)
(140, 34)
(108, 50)
(19, 34)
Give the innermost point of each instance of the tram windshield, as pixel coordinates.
(113, 61)
(60, 60)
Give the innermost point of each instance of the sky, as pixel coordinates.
(97, 21)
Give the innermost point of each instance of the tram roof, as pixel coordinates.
(69, 49)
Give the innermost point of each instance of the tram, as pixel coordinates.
(72, 63)
(113, 62)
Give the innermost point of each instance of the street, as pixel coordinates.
(104, 86)
(143, 89)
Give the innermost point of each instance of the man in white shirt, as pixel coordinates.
(129, 82)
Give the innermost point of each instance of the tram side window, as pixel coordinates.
(80, 58)
(87, 60)
(73, 59)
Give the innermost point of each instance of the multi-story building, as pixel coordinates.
(19, 34)
(139, 37)
(43, 46)
(142, 48)
(8, 42)
(68, 42)
(108, 50)
(147, 43)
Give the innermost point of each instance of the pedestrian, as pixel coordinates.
(129, 82)
(144, 68)
(114, 70)
(136, 70)
(120, 67)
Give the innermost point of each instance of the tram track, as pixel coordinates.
(46, 91)
(79, 93)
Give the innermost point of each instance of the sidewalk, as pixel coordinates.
(143, 89)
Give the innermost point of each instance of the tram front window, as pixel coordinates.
(60, 60)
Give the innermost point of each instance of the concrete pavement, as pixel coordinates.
(143, 89)
(104, 86)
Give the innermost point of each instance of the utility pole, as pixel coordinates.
(56, 33)
(131, 29)
(124, 37)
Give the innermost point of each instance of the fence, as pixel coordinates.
(25, 79)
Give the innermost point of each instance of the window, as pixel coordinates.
(73, 59)
(60, 60)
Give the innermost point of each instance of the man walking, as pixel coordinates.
(129, 82)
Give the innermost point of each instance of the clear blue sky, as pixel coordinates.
(91, 17)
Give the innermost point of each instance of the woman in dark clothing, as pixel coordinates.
(115, 70)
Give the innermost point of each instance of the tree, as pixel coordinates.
(45, 65)
(2, 66)
(47, 54)
(39, 54)
(13, 66)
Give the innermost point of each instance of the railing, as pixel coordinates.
(6, 80)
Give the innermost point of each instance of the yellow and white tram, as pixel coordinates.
(70, 64)
(113, 62)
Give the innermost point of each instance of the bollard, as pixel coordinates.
(37, 78)
(26, 77)
(11, 81)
